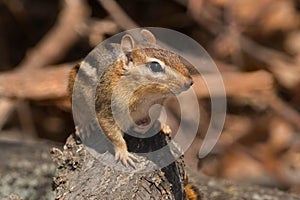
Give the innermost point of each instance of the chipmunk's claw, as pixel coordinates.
(126, 158)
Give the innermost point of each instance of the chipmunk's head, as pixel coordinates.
(157, 69)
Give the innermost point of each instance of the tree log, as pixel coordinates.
(82, 176)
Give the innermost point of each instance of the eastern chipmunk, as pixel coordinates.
(143, 75)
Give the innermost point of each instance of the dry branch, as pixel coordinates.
(235, 83)
(97, 29)
(118, 14)
(39, 84)
(60, 38)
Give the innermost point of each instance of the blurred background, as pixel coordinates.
(255, 44)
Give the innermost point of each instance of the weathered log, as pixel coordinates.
(82, 176)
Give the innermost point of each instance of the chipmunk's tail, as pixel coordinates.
(192, 193)
(72, 77)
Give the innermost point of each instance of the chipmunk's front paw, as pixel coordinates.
(125, 157)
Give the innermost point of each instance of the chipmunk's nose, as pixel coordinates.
(188, 83)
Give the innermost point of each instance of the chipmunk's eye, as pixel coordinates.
(155, 66)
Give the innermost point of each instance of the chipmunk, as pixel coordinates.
(143, 75)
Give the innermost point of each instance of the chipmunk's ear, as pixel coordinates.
(127, 43)
(148, 36)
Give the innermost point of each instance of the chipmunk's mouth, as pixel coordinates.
(143, 122)
(142, 126)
